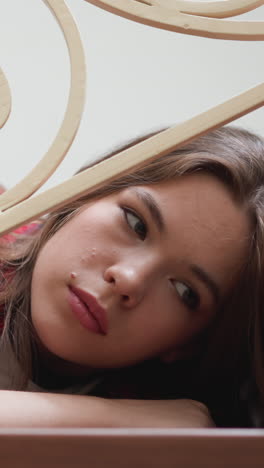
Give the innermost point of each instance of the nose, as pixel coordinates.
(129, 282)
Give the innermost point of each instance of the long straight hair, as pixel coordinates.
(233, 346)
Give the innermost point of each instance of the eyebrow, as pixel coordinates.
(150, 203)
(208, 281)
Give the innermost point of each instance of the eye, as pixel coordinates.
(136, 223)
(187, 295)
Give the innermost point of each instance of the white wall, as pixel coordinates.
(139, 78)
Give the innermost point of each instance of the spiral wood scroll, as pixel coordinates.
(5, 99)
(47, 165)
(196, 18)
(187, 17)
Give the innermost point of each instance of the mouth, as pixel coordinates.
(88, 311)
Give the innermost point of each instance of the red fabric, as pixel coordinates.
(10, 238)
(28, 229)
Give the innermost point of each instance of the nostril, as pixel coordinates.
(109, 278)
(125, 298)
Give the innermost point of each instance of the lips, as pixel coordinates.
(91, 315)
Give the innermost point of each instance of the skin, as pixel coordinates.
(35, 410)
(155, 303)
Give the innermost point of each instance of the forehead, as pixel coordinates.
(203, 200)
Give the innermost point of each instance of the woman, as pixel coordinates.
(149, 288)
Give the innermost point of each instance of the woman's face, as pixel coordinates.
(139, 273)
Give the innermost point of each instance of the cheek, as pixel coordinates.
(52, 270)
(163, 322)
(50, 260)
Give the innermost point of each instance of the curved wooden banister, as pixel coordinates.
(47, 165)
(136, 156)
(165, 14)
(5, 99)
(159, 13)
(220, 9)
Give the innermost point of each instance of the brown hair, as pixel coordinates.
(234, 344)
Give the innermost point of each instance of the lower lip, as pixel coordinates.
(83, 314)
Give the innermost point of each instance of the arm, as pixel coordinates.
(53, 410)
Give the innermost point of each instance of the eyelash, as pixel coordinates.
(194, 300)
(127, 212)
